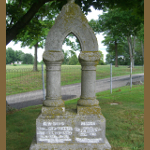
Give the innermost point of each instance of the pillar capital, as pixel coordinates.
(89, 58)
(53, 57)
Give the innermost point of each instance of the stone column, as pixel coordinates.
(53, 103)
(88, 61)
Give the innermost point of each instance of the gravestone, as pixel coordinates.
(84, 127)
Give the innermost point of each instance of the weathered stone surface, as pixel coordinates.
(84, 127)
(71, 131)
(79, 146)
(89, 56)
(53, 61)
(53, 56)
(88, 60)
(52, 111)
(71, 20)
(96, 110)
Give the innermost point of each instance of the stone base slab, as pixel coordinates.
(70, 131)
(87, 146)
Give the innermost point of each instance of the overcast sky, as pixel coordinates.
(92, 15)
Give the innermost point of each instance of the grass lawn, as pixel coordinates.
(124, 122)
(21, 78)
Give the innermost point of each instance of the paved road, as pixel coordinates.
(69, 91)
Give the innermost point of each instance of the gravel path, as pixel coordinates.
(68, 91)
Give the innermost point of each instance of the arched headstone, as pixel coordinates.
(71, 20)
(83, 128)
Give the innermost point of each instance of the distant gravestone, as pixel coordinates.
(57, 127)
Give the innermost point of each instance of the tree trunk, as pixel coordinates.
(116, 53)
(35, 57)
(130, 50)
(142, 47)
(133, 50)
(11, 33)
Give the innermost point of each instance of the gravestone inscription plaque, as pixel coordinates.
(58, 128)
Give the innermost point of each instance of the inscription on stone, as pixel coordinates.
(54, 132)
(88, 132)
(53, 123)
(87, 123)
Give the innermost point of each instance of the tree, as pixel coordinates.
(109, 58)
(139, 49)
(124, 57)
(19, 13)
(73, 60)
(70, 55)
(66, 57)
(18, 55)
(101, 62)
(111, 48)
(27, 58)
(10, 56)
(114, 43)
(34, 34)
(110, 27)
(140, 36)
(118, 23)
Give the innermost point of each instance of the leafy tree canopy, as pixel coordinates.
(12, 56)
(20, 12)
(27, 58)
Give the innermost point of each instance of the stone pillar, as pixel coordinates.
(53, 102)
(88, 61)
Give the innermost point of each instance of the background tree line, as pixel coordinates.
(70, 56)
(29, 21)
(12, 56)
(124, 35)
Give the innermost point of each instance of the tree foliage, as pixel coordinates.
(124, 57)
(12, 56)
(118, 24)
(73, 60)
(34, 34)
(101, 61)
(19, 13)
(27, 58)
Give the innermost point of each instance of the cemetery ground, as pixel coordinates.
(124, 122)
(21, 78)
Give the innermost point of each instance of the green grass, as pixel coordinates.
(21, 66)
(21, 78)
(124, 122)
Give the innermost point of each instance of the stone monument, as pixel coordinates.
(56, 127)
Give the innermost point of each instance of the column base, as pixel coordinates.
(53, 111)
(94, 110)
(88, 102)
(54, 103)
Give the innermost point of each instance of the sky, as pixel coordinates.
(92, 15)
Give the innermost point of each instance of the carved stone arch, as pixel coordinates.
(71, 20)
